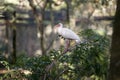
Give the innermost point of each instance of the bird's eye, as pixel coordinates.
(58, 25)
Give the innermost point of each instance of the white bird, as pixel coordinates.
(67, 34)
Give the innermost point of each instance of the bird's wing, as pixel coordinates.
(69, 34)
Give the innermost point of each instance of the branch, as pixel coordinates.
(51, 41)
(97, 18)
(49, 67)
(62, 72)
(44, 4)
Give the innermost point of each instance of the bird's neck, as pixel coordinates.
(59, 30)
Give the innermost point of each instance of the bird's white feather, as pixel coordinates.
(68, 34)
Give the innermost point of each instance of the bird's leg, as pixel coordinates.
(67, 45)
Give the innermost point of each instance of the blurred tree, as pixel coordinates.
(7, 23)
(39, 20)
(115, 48)
(68, 4)
(52, 24)
(14, 38)
(10, 21)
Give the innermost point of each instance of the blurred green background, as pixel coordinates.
(30, 50)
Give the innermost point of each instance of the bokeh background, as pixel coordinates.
(28, 41)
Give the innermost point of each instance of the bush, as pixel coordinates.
(88, 60)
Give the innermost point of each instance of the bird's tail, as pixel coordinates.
(78, 41)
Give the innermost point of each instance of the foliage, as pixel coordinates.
(90, 57)
(87, 60)
(37, 66)
(13, 75)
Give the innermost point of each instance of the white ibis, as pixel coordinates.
(67, 34)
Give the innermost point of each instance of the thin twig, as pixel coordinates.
(65, 70)
(54, 61)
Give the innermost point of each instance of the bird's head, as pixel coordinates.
(56, 27)
(59, 25)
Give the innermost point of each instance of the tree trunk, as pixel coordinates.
(115, 47)
(10, 16)
(14, 46)
(7, 23)
(39, 20)
(67, 10)
(52, 24)
(13, 54)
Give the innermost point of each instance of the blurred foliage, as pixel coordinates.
(2, 47)
(37, 66)
(88, 60)
(13, 75)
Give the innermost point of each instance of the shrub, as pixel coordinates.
(88, 60)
